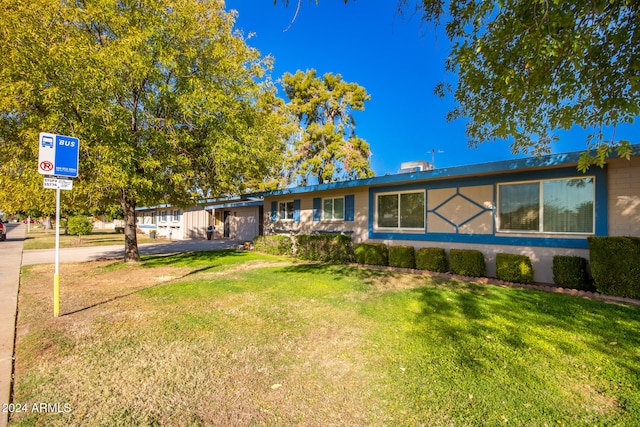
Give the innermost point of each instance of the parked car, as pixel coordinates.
(25, 221)
(3, 231)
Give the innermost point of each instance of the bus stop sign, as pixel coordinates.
(58, 155)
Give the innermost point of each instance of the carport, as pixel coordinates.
(238, 219)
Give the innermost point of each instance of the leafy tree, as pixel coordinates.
(529, 68)
(79, 226)
(328, 148)
(169, 103)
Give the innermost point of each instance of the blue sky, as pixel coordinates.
(397, 59)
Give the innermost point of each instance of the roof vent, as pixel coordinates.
(417, 166)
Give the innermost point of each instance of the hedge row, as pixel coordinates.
(514, 268)
(334, 248)
(614, 260)
(273, 245)
(568, 272)
(615, 265)
(465, 262)
(571, 272)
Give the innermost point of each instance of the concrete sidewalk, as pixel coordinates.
(92, 253)
(11, 251)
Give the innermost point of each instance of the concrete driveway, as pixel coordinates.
(92, 253)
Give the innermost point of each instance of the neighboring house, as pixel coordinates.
(173, 222)
(539, 207)
(234, 219)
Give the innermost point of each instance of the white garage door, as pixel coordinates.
(246, 224)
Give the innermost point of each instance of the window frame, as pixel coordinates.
(541, 203)
(280, 210)
(398, 194)
(333, 209)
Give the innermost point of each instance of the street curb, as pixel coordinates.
(9, 286)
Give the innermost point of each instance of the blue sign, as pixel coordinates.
(59, 155)
(66, 156)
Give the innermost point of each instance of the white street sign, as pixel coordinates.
(50, 183)
(63, 184)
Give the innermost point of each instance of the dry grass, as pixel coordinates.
(120, 356)
(242, 339)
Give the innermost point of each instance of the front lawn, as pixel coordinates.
(237, 338)
(39, 238)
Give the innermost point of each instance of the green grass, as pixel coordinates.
(242, 339)
(45, 239)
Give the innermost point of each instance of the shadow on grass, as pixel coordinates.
(112, 299)
(555, 326)
(190, 258)
(472, 315)
(205, 259)
(362, 273)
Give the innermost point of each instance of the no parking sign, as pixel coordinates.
(58, 155)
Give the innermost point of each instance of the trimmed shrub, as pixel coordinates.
(402, 256)
(79, 226)
(334, 248)
(467, 262)
(372, 254)
(273, 245)
(571, 272)
(514, 268)
(614, 265)
(360, 253)
(432, 259)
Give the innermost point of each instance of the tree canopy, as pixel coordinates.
(328, 148)
(169, 103)
(526, 69)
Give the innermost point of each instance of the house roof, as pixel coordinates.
(216, 203)
(235, 204)
(541, 162)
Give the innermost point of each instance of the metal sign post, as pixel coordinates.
(58, 158)
(56, 272)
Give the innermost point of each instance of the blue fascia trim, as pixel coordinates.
(486, 239)
(462, 172)
(203, 203)
(235, 205)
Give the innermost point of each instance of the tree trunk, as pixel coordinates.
(131, 253)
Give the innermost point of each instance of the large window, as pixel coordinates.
(333, 208)
(405, 210)
(550, 206)
(286, 210)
